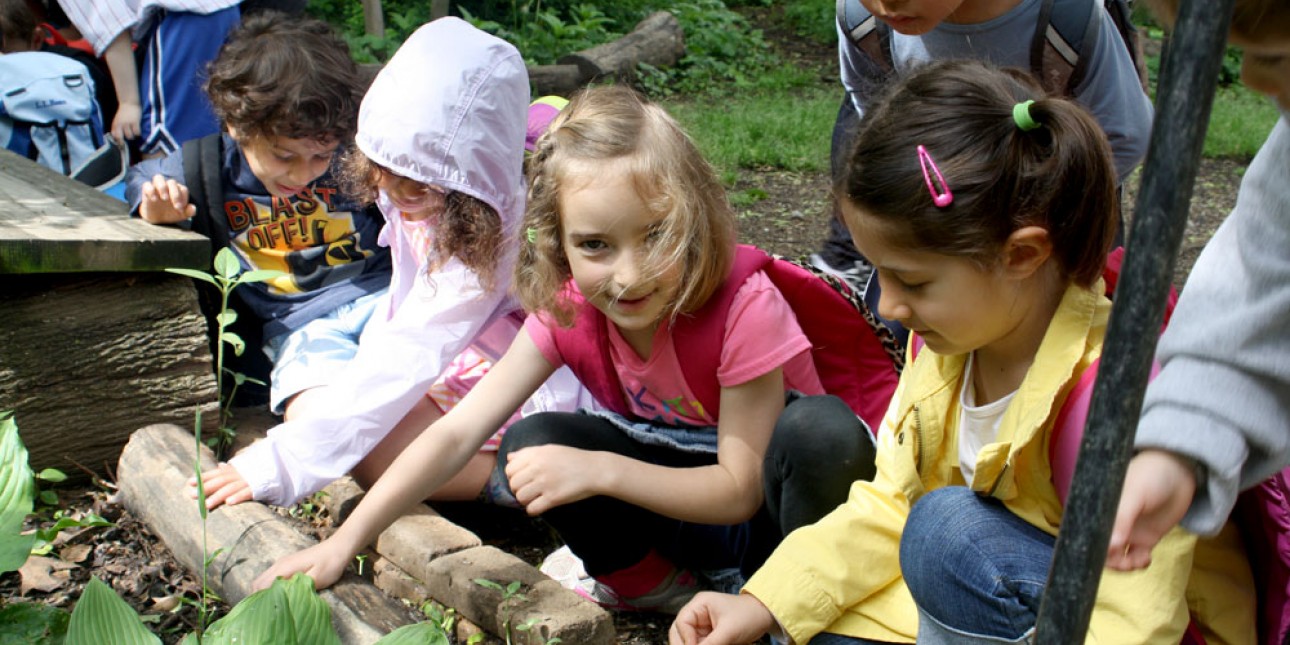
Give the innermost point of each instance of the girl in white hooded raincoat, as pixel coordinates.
(441, 134)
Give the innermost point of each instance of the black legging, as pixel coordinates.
(817, 450)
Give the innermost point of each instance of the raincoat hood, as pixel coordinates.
(464, 102)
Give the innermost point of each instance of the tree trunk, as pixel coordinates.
(657, 40)
(85, 359)
(561, 80)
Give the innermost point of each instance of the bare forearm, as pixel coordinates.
(706, 494)
(422, 468)
(120, 62)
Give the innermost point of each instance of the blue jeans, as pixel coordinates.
(976, 571)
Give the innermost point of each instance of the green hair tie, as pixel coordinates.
(1021, 114)
(531, 234)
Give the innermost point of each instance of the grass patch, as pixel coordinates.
(1239, 123)
(783, 130)
(813, 19)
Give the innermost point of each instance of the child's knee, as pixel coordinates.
(534, 430)
(821, 434)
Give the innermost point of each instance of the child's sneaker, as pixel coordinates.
(566, 568)
(668, 597)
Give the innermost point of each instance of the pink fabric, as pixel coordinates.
(761, 334)
(460, 376)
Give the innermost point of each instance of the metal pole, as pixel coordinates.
(1183, 102)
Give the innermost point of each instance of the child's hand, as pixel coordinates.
(125, 125)
(544, 477)
(165, 201)
(1158, 488)
(224, 485)
(325, 562)
(714, 618)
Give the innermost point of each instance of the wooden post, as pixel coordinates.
(1182, 114)
(438, 9)
(373, 18)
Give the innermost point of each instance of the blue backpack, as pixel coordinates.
(48, 112)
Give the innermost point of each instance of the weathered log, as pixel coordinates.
(561, 80)
(657, 40)
(422, 555)
(249, 537)
(86, 358)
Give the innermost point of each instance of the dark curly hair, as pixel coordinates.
(279, 75)
(468, 228)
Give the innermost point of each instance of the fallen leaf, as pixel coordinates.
(44, 574)
(75, 553)
(168, 603)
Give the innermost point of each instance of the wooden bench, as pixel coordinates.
(96, 340)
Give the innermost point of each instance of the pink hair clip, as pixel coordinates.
(941, 199)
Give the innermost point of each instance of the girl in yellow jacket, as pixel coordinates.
(987, 211)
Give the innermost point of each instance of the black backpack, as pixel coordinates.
(203, 174)
(1056, 48)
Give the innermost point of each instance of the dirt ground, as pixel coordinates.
(791, 220)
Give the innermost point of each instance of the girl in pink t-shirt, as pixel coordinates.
(628, 235)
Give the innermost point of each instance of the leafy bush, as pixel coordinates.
(722, 50)
(544, 35)
(813, 19)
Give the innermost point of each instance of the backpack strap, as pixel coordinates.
(700, 336)
(872, 37)
(1056, 46)
(585, 348)
(1063, 32)
(1068, 430)
(203, 167)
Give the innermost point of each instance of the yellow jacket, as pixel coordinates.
(842, 574)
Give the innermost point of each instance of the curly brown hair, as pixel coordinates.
(468, 229)
(279, 75)
(614, 127)
(1059, 176)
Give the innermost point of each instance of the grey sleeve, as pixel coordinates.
(848, 54)
(1113, 94)
(1223, 395)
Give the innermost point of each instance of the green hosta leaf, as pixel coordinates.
(418, 634)
(102, 617)
(260, 275)
(23, 623)
(226, 263)
(260, 618)
(17, 490)
(196, 275)
(311, 613)
(289, 612)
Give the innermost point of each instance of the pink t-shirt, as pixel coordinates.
(761, 334)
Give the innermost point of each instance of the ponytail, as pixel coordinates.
(1057, 173)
